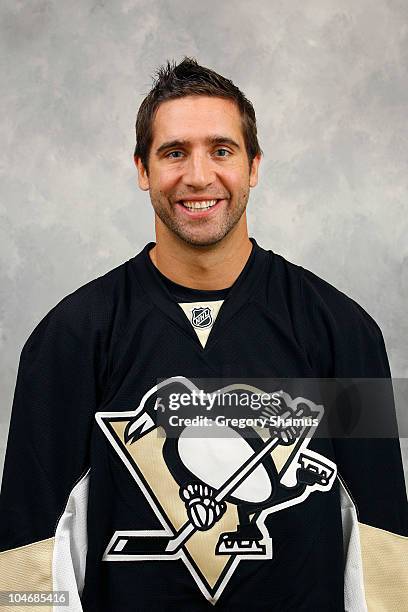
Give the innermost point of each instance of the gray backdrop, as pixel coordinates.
(328, 80)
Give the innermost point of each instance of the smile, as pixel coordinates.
(199, 205)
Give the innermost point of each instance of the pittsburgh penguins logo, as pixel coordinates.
(212, 494)
(202, 317)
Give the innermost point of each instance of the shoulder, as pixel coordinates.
(339, 334)
(331, 301)
(320, 297)
(89, 309)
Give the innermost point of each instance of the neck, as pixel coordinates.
(211, 267)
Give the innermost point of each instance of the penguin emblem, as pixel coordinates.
(212, 494)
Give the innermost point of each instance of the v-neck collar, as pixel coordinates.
(239, 294)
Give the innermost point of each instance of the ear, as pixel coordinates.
(142, 174)
(253, 175)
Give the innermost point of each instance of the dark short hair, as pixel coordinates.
(186, 79)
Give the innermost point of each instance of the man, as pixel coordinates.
(102, 499)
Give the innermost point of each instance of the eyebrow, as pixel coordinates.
(211, 140)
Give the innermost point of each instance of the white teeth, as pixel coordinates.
(200, 205)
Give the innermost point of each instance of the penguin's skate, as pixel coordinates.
(247, 539)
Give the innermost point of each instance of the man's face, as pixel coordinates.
(197, 156)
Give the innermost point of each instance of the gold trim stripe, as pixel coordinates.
(385, 568)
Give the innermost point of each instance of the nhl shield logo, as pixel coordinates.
(201, 317)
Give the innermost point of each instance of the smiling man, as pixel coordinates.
(203, 158)
(110, 498)
(199, 182)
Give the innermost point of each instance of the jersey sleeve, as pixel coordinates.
(345, 342)
(43, 499)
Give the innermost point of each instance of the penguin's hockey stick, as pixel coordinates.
(230, 485)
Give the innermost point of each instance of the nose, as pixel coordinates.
(199, 172)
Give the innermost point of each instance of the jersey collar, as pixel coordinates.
(239, 296)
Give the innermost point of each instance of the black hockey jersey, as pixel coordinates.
(103, 502)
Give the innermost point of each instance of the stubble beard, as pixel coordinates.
(217, 229)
